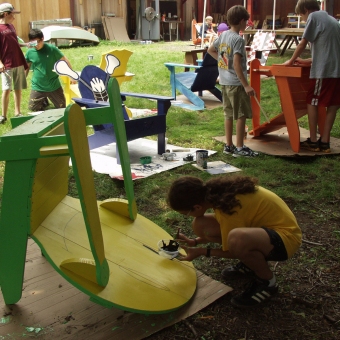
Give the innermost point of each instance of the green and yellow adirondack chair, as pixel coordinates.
(105, 249)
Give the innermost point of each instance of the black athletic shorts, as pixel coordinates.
(279, 252)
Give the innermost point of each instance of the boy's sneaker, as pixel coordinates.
(311, 146)
(229, 149)
(324, 147)
(3, 120)
(244, 152)
(239, 268)
(256, 294)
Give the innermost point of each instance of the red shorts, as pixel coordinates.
(324, 92)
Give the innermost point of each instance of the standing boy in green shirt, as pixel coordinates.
(45, 82)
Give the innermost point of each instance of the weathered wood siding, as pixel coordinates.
(87, 12)
(33, 10)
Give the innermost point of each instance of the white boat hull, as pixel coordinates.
(68, 33)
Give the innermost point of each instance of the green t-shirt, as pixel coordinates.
(43, 60)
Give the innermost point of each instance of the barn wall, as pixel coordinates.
(32, 10)
(89, 12)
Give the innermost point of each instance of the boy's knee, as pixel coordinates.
(33, 107)
(236, 241)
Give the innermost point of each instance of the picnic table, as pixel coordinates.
(191, 56)
(168, 26)
(291, 35)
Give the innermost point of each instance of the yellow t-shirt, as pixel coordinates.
(262, 209)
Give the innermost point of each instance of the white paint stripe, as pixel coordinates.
(256, 299)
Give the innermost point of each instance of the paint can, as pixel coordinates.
(169, 156)
(201, 158)
(168, 248)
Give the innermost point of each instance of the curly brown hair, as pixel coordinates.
(187, 191)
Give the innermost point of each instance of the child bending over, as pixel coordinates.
(251, 223)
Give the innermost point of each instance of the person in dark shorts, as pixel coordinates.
(251, 223)
(45, 83)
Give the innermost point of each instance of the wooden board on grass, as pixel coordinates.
(51, 308)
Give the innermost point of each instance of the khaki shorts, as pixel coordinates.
(38, 100)
(236, 102)
(15, 76)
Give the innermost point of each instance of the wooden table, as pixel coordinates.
(290, 35)
(168, 25)
(191, 56)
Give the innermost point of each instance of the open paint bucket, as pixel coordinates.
(201, 158)
(168, 248)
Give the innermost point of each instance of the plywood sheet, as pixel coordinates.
(277, 144)
(104, 159)
(115, 29)
(51, 308)
(210, 101)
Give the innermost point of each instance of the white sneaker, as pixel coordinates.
(3, 120)
(244, 152)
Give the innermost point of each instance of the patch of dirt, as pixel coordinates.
(308, 303)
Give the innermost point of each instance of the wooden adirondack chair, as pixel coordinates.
(195, 33)
(106, 249)
(120, 73)
(268, 22)
(92, 84)
(202, 79)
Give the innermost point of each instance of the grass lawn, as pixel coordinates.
(310, 186)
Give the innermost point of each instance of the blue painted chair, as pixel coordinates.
(92, 84)
(202, 79)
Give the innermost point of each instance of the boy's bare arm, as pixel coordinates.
(28, 69)
(238, 70)
(212, 51)
(299, 49)
(67, 61)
